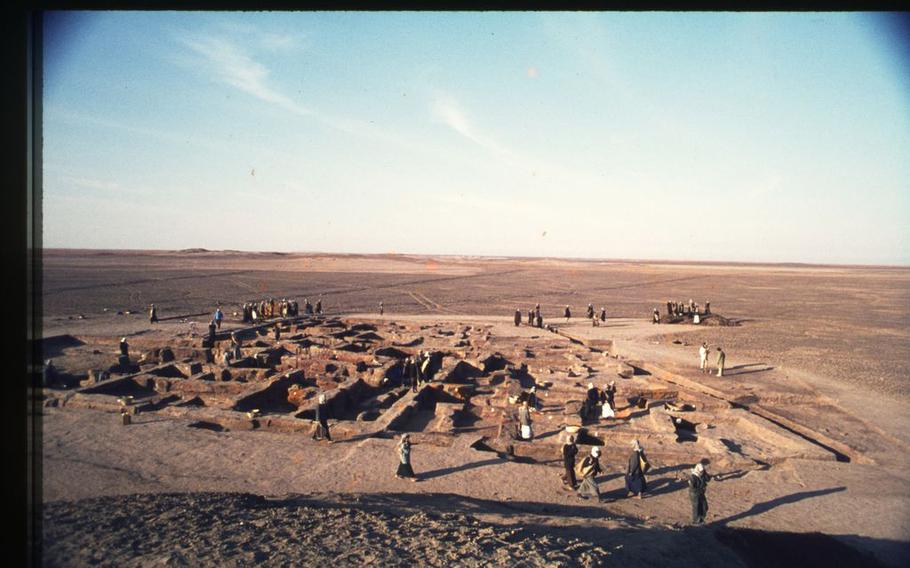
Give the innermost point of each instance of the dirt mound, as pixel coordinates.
(192, 250)
(228, 529)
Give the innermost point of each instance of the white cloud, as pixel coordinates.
(237, 69)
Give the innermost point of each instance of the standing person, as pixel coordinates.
(655, 316)
(707, 308)
(524, 421)
(404, 458)
(568, 314)
(153, 314)
(319, 307)
(603, 314)
(590, 313)
(607, 401)
(322, 421)
(539, 321)
(703, 357)
(381, 309)
(533, 400)
(537, 311)
(669, 308)
(517, 317)
(531, 317)
(592, 398)
(588, 470)
(219, 315)
(235, 346)
(721, 359)
(410, 374)
(698, 484)
(212, 331)
(635, 473)
(124, 347)
(569, 451)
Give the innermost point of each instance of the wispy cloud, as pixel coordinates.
(236, 68)
(447, 110)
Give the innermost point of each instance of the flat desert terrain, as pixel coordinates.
(807, 435)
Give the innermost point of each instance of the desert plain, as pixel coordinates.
(807, 435)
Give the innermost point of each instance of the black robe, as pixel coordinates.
(635, 477)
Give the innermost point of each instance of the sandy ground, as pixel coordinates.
(841, 332)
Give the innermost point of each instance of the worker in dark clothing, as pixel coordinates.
(569, 451)
(318, 307)
(539, 321)
(530, 317)
(212, 327)
(603, 315)
(124, 347)
(277, 332)
(153, 314)
(590, 313)
(517, 317)
(567, 314)
(589, 469)
(589, 407)
(698, 484)
(635, 473)
(322, 421)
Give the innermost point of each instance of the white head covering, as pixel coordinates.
(595, 451)
(122, 340)
(636, 445)
(322, 399)
(698, 469)
(590, 385)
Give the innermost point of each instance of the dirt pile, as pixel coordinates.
(231, 529)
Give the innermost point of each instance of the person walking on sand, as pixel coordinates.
(703, 357)
(603, 315)
(635, 473)
(721, 359)
(568, 314)
(517, 317)
(524, 421)
(381, 309)
(588, 471)
(531, 317)
(590, 313)
(404, 458)
(655, 316)
(698, 484)
(219, 315)
(322, 421)
(153, 314)
(319, 307)
(569, 451)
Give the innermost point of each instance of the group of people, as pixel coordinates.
(603, 399)
(589, 467)
(416, 369)
(690, 308)
(703, 360)
(536, 320)
(269, 308)
(635, 481)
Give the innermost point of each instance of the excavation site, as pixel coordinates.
(184, 407)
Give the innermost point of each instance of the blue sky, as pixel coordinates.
(730, 136)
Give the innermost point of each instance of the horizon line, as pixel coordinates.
(202, 250)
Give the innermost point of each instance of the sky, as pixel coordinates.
(750, 137)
